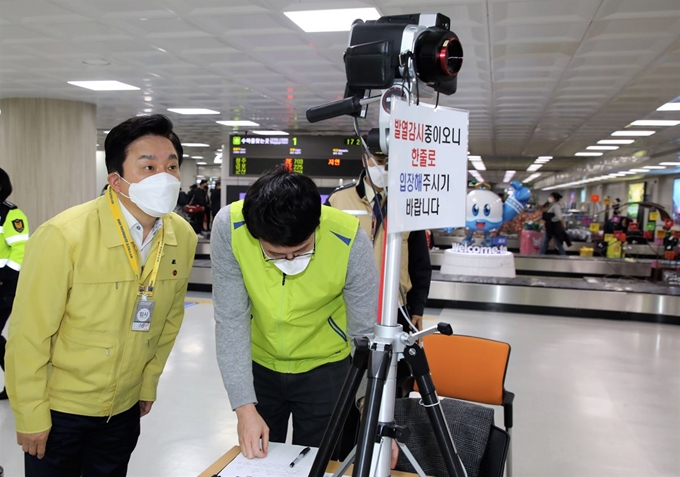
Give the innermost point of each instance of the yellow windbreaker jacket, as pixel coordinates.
(71, 347)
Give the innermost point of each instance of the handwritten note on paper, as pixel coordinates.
(276, 464)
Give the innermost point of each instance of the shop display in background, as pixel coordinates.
(530, 241)
(667, 271)
(516, 225)
(615, 249)
(672, 277)
(586, 251)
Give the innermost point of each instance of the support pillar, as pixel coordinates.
(48, 148)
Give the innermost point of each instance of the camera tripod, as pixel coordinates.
(400, 56)
(379, 356)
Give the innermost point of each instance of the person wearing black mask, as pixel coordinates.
(199, 198)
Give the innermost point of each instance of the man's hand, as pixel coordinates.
(418, 321)
(33, 444)
(251, 428)
(145, 408)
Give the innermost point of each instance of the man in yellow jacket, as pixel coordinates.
(99, 304)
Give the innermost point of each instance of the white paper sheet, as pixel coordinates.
(276, 464)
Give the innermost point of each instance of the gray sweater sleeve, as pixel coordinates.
(557, 210)
(361, 288)
(361, 294)
(232, 315)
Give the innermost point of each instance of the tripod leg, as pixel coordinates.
(415, 357)
(342, 407)
(378, 365)
(346, 463)
(411, 458)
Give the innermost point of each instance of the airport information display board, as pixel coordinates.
(316, 156)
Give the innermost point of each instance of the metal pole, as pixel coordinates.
(391, 278)
(387, 332)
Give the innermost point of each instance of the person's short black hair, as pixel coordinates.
(556, 195)
(119, 138)
(282, 208)
(204, 182)
(5, 186)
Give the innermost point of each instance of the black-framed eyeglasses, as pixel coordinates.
(274, 260)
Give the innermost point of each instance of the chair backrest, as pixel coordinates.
(466, 367)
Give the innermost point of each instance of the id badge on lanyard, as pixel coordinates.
(141, 320)
(144, 304)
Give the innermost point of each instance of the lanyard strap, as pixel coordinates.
(130, 250)
(379, 214)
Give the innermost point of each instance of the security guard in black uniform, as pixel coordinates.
(13, 237)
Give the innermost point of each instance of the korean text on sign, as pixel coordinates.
(412, 131)
(417, 206)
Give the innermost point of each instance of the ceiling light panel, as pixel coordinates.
(616, 141)
(195, 111)
(654, 167)
(655, 122)
(238, 123)
(532, 177)
(195, 144)
(315, 21)
(633, 133)
(271, 133)
(602, 148)
(534, 167)
(589, 154)
(670, 164)
(670, 107)
(104, 85)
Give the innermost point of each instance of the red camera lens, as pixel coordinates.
(450, 56)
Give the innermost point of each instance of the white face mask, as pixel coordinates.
(295, 266)
(378, 175)
(156, 195)
(291, 267)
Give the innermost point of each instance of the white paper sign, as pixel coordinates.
(427, 167)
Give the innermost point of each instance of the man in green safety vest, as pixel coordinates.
(294, 282)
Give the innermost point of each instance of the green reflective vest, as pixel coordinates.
(13, 236)
(298, 322)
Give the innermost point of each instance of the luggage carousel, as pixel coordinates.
(549, 285)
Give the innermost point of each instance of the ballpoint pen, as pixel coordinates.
(300, 456)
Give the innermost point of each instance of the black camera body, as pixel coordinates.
(401, 52)
(404, 57)
(403, 47)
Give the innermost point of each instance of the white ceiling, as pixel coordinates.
(540, 77)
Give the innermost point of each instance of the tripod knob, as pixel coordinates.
(445, 329)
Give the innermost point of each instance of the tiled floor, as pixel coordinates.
(594, 398)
